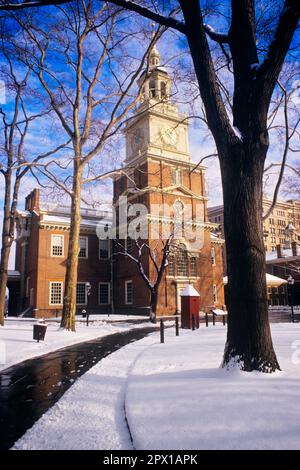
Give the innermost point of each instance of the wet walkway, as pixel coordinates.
(29, 389)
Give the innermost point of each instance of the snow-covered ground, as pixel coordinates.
(177, 397)
(194, 404)
(17, 344)
(93, 407)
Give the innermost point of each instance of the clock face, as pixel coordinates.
(169, 136)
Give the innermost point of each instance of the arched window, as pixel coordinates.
(163, 90)
(182, 261)
(152, 89)
(178, 208)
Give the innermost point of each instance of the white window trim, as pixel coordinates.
(63, 245)
(101, 284)
(87, 248)
(85, 293)
(215, 293)
(108, 255)
(213, 256)
(126, 300)
(50, 290)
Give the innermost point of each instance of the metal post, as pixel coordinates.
(206, 319)
(224, 321)
(162, 333)
(193, 322)
(87, 319)
(292, 305)
(214, 318)
(177, 326)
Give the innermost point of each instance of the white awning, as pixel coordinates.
(272, 281)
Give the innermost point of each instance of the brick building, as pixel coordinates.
(160, 177)
(284, 262)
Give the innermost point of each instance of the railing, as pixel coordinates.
(64, 209)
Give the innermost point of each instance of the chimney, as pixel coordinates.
(32, 200)
(294, 249)
(35, 199)
(279, 251)
(27, 202)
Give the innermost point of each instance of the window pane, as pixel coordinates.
(83, 242)
(215, 293)
(128, 292)
(80, 293)
(57, 245)
(213, 257)
(56, 293)
(104, 293)
(171, 266)
(182, 263)
(104, 249)
(193, 266)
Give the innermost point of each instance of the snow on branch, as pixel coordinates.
(216, 36)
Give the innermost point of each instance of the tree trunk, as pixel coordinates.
(5, 252)
(153, 305)
(69, 305)
(249, 342)
(6, 245)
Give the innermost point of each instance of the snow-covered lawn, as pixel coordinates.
(176, 397)
(17, 344)
(90, 415)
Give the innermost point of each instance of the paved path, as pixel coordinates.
(29, 389)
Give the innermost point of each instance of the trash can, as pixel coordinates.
(189, 307)
(39, 331)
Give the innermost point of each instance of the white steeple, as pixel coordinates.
(155, 81)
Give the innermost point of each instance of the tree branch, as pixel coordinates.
(20, 6)
(167, 21)
(269, 70)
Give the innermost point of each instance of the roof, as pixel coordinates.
(64, 220)
(287, 255)
(215, 208)
(189, 291)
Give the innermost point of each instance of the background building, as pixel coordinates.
(280, 228)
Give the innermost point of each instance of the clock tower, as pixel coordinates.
(158, 129)
(160, 173)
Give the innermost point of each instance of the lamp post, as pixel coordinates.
(289, 232)
(88, 292)
(291, 282)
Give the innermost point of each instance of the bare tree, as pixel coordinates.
(290, 131)
(157, 253)
(91, 101)
(15, 161)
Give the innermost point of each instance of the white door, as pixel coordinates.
(180, 288)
